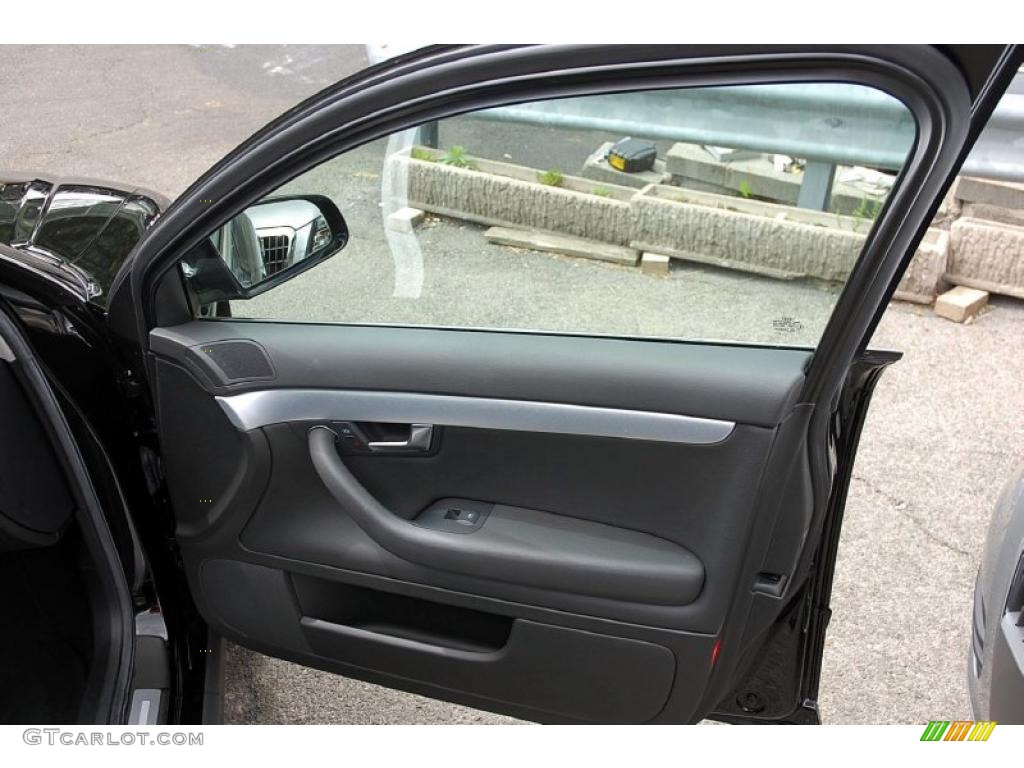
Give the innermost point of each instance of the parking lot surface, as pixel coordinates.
(945, 428)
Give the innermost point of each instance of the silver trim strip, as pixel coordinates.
(273, 406)
(145, 706)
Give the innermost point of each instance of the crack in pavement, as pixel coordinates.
(902, 508)
(110, 130)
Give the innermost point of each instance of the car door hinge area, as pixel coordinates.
(152, 470)
(769, 690)
(128, 383)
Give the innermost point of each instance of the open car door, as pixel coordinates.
(398, 475)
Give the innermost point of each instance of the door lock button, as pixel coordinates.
(350, 437)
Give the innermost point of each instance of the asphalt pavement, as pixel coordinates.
(945, 428)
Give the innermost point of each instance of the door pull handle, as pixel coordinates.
(419, 440)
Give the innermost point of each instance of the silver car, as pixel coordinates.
(995, 672)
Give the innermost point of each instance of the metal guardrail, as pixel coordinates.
(836, 123)
(825, 124)
(839, 124)
(999, 151)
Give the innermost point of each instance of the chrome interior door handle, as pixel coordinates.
(420, 436)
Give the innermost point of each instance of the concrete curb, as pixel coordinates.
(753, 236)
(777, 241)
(491, 195)
(691, 166)
(987, 255)
(696, 226)
(924, 280)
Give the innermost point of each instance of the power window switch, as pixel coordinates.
(463, 516)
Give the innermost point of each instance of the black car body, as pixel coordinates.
(103, 331)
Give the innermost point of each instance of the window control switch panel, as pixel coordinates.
(455, 515)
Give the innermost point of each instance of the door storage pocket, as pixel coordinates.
(402, 618)
(568, 673)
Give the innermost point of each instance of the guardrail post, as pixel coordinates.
(816, 189)
(428, 135)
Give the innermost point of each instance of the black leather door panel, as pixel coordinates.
(249, 496)
(752, 385)
(687, 495)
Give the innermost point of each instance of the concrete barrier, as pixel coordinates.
(763, 238)
(924, 278)
(778, 241)
(503, 194)
(987, 255)
(998, 194)
(692, 167)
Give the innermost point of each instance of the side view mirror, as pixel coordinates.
(267, 244)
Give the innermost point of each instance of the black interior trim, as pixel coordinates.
(104, 699)
(255, 495)
(523, 546)
(36, 505)
(548, 671)
(427, 622)
(751, 385)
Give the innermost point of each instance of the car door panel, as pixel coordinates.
(638, 505)
(632, 522)
(548, 668)
(747, 384)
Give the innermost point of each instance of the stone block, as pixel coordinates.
(497, 199)
(1002, 194)
(777, 241)
(923, 279)
(986, 255)
(748, 235)
(404, 219)
(960, 304)
(654, 263)
(568, 246)
(692, 163)
(988, 212)
(693, 167)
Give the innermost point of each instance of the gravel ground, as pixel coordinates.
(944, 431)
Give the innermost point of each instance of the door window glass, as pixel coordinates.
(726, 214)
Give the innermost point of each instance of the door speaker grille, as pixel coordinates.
(236, 360)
